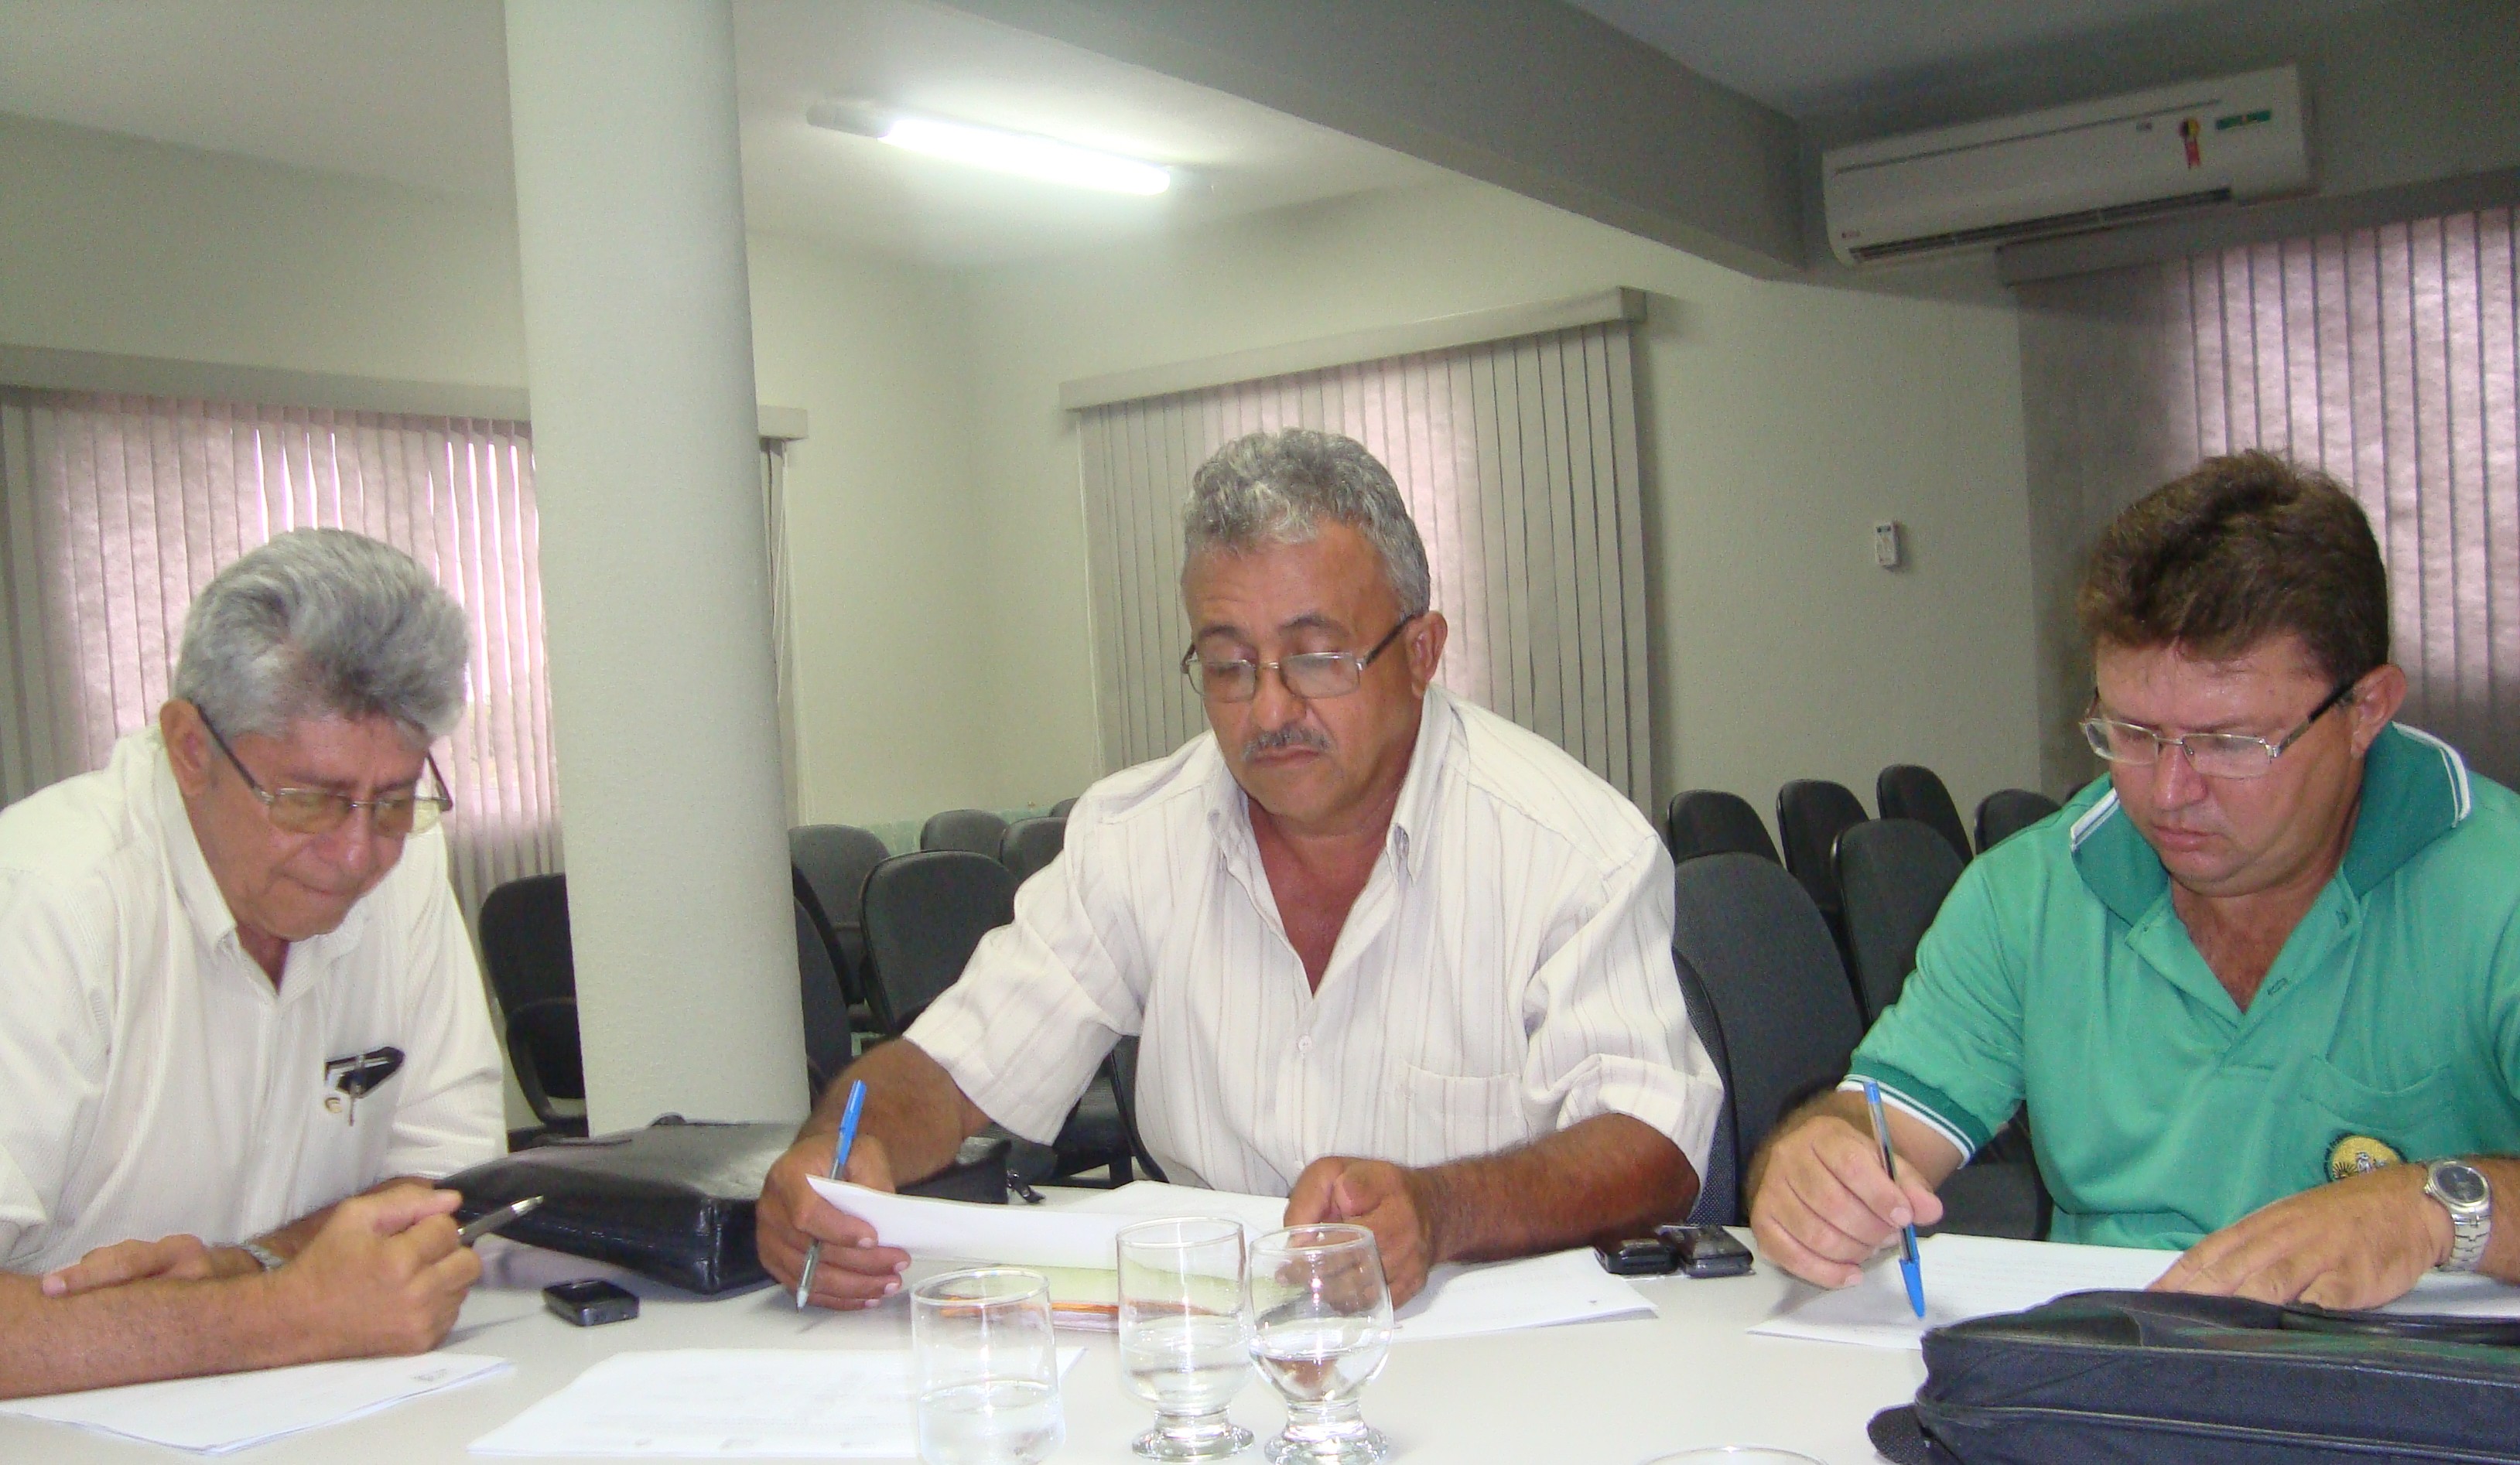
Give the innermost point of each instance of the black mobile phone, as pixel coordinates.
(1706, 1251)
(1637, 1257)
(591, 1304)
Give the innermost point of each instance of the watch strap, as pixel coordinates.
(2471, 1225)
(270, 1260)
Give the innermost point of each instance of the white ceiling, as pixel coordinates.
(415, 92)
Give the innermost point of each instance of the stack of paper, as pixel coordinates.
(217, 1417)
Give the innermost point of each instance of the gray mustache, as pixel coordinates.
(1293, 735)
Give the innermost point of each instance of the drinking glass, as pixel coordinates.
(1320, 1324)
(987, 1369)
(1183, 1347)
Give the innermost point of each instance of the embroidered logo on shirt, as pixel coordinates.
(2360, 1154)
(357, 1076)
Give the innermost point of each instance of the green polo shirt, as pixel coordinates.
(2058, 974)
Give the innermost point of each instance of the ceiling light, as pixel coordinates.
(1004, 151)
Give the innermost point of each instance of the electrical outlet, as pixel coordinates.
(1889, 544)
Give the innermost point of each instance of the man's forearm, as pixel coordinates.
(913, 1107)
(145, 1330)
(1606, 1176)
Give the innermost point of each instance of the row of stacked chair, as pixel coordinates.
(1785, 962)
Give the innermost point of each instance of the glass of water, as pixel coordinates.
(1320, 1324)
(1183, 1345)
(987, 1369)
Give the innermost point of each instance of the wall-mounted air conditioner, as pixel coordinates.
(2069, 168)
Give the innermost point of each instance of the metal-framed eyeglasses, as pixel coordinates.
(320, 810)
(1313, 675)
(2214, 755)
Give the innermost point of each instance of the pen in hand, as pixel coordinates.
(495, 1220)
(1908, 1266)
(848, 1136)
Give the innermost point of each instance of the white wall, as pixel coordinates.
(1780, 420)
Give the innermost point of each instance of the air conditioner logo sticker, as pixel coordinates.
(2191, 132)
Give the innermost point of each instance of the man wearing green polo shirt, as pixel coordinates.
(2274, 953)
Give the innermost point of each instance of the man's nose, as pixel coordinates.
(2176, 783)
(1274, 705)
(354, 846)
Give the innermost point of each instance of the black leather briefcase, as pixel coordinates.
(2147, 1378)
(674, 1201)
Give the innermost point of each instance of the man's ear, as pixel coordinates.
(2376, 701)
(188, 745)
(1425, 641)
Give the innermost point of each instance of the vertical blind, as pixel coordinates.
(2385, 356)
(116, 510)
(1518, 460)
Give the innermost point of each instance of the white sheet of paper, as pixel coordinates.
(227, 1412)
(1975, 1276)
(730, 1404)
(1535, 1292)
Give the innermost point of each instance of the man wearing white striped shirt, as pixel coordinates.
(1391, 955)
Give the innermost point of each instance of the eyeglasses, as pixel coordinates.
(2214, 755)
(320, 810)
(1313, 674)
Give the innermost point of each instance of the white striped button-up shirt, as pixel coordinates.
(1506, 972)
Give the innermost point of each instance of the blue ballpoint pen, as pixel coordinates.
(839, 1163)
(1915, 1279)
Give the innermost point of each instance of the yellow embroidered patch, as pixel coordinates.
(2360, 1154)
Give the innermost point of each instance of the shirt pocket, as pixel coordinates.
(1448, 1116)
(2419, 1120)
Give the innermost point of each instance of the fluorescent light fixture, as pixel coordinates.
(1004, 151)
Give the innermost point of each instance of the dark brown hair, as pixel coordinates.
(2242, 548)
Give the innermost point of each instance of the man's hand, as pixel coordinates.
(385, 1275)
(1396, 1205)
(173, 1259)
(854, 1271)
(2354, 1243)
(1825, 1206)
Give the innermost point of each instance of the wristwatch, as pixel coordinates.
(2462, 1190)
(272, 1260)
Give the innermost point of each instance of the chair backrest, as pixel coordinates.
(1906, 790)
(1747, 933)
(1031, 844)
(826, 1008)
(832, 862)
(1719, 1190)
(524, 944)
(1811, 813)
(974, 830)
(1124, 1088)
(1063, 808)
(1711, 821)
(2008, 812)
(925, 913)
(1895, 874)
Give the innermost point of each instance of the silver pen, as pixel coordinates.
(495, 1220)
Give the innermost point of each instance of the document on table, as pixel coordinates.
(228, 1412)
(1459, 1302)
(730, 1404)
(1976, 1276)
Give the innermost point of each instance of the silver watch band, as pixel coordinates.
(271, 1260)
(2471, 1214)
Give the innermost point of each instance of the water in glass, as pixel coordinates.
(1321, 1318)
(1183, 1343)
(987, 1369)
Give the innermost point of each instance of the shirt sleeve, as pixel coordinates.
(1043, 999)
(1612, 1033)
(1948, 1050)
(54, 1045)
(451, 1114)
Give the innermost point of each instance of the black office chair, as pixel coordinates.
(1062, 809)
(829, 1033)
(1774, 998)
(1811, 813)
(2008, 812)
(1719, 1200)
(1894, 873)
(1904, 790)
(831, 863)
(1711, 821)
(1124, 1088)
(974, 830)
(524, 943)
(924, 915)
(1030, 844)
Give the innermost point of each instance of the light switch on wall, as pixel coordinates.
(1889, 546)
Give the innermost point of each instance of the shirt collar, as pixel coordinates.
(2414, 790)
(1412, 818)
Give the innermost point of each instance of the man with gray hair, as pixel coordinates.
(1388, 955)
(241, 1023)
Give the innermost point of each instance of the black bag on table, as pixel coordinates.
(2150, 1378)
(674, 1201)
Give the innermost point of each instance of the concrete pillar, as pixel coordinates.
(655, 582)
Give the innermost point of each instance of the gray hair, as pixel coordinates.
(324, 623)
(1277, 487)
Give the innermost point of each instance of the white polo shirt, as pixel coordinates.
(152, 1079)
(1506, 972)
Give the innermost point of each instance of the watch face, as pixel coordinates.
(2459, 1184)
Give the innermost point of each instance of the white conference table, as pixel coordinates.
(1614, 1392)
